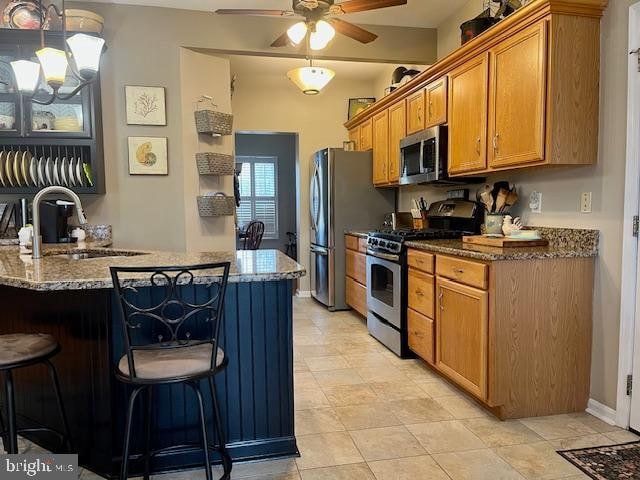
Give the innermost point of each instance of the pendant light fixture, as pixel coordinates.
(311, 80)
(80, 57)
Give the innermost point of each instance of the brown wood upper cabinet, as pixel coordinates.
(397, 131)
(468, 96)
(354, 136)
(517, 99)
(436, 102)
(366, 135)
(381, 148)
(415, 112)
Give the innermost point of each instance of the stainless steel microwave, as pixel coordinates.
(423, 156)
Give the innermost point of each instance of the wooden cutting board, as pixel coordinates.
(503, 242)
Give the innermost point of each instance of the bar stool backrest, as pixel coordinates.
(167, 308)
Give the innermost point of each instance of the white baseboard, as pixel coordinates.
(303, 294)
(604, 413)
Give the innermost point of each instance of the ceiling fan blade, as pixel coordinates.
(353, 6)
(353, 31)
(245, 11)
(281, 41)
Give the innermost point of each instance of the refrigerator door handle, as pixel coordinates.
(312, 186)
(319, 250)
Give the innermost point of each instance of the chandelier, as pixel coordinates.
(80, 56)
(311, 80)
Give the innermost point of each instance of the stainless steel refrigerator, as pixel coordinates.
(341, 198)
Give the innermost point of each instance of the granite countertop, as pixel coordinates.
(563, 243)
(358, 233)
(55, 271)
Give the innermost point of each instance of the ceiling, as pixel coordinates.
(417, 13)
(242, 65)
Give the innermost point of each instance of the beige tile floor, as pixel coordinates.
(364, 414)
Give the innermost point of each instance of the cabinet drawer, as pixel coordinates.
(464, 271)
(356, 296)
(421, 292)
(420, 260)
(362, 245)
(421, 335)
(351, 242)
(356, 266)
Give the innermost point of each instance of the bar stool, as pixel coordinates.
(186, 350)
(24, 350)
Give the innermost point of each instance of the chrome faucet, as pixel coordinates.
(37, 238)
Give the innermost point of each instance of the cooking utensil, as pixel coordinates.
(501, 200)
(496, 190)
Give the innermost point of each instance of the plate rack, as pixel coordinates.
(26, 169)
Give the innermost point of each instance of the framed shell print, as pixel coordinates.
(148, 156)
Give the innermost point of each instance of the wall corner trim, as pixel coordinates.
(601, 411)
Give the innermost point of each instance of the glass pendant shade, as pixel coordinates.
(86, 51)
(311, 80)
(297, 32)
(27, 75)
(54, 66)
(323, 34)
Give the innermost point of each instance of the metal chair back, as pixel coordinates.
(253, 235)
(165, 313)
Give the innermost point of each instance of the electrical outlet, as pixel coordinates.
(535, 202)
(585, 202)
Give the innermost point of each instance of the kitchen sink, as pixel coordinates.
(93, 254)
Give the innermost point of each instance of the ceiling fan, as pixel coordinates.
(319, 19)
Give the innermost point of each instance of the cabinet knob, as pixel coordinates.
(478, 145)
(459, 271)
(495, 142)
(440, 300)
(419, 293)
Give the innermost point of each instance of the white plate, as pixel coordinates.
(63, 172)
(56, 169)
(79, 173)
(8, 170)
(72, 170)
(24, 166)
(41, 181)
(47, 171)
(33, 171)
(3, 157)
(17, 159)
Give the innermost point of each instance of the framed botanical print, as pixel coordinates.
(148, 156)
(145, 105)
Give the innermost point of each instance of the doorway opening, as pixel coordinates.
(267, 180)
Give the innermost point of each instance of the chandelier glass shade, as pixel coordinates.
(27, 75)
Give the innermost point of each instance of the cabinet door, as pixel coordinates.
(397, 131)
(356, 266)
(461, 335)
(415, 112)
(437, 102)
(356, 296)
(366, 135)
(354, 136)
(420, 296)
(517, 98)
(420, 335)
(10, 120)
(381, 148)
(468, 97)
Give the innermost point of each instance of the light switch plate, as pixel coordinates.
(535, 202)
(585, 202)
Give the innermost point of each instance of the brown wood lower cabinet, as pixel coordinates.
(356, 296)
(514, 334)
(462, 335)
(356, 273)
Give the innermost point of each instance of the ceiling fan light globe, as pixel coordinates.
(297, 32)
(311, 80)
(322, 35)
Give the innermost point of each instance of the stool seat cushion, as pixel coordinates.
(167, 363)
(22, 347)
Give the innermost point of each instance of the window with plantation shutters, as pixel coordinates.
(259, 193)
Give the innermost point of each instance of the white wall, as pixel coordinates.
(561, 188)
(274, 104)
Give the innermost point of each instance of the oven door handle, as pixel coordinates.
(384, 256)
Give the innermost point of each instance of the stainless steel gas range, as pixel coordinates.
(387, 268)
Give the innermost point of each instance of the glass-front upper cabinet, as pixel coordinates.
(9, 99)
(63, 118)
